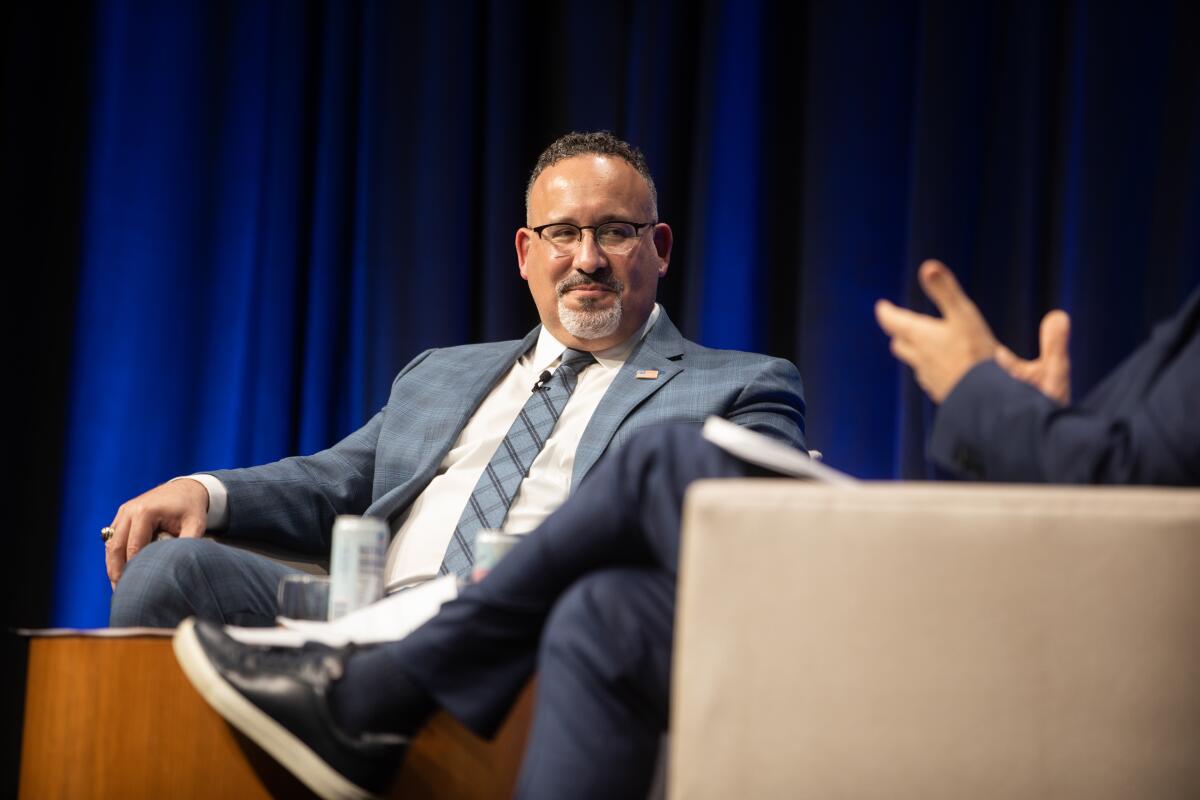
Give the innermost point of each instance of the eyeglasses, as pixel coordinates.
(615, 238)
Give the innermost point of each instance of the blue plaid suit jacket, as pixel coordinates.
(382, 467)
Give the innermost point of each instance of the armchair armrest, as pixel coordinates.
(937, 640)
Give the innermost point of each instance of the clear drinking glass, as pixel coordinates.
(491, 546)
(304, 597)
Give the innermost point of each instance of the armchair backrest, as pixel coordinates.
(937, 641)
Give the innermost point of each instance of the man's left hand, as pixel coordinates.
(1050, 372)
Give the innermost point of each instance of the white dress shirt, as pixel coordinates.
(424, 530)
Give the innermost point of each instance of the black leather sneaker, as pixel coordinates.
(278, 697)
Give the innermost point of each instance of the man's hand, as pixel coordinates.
(940, 351)
(1050, 372)
(179, 507)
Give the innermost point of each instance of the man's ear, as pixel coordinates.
(523, 241)
(663, 239)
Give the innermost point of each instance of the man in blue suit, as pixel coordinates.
(605, 364)
(588, 598)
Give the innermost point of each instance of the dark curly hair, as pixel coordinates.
(601, 143)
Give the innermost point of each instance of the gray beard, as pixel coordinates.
(588, 323)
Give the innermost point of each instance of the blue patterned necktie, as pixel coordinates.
(497, 486)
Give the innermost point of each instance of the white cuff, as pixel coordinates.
(218, 500)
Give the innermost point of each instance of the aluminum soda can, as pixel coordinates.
(356, 563)
(490, 547)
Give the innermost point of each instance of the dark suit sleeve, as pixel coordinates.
(993, 427)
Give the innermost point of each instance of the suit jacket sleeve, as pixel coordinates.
(994, 427)
(292, 503)
(772, 403)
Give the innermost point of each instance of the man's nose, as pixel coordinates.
(589, 257)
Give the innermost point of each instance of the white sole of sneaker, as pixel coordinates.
(280, 743)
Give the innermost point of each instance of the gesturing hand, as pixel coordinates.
(940, 351)
(178, 507)
(1050, 372)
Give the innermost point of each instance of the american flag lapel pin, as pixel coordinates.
(646, 374)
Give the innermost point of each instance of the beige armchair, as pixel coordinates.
(937, 641)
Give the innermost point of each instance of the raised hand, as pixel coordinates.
(939, 350)
(1050, 372)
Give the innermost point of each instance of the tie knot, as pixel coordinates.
(576, 360)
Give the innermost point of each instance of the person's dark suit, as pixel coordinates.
(1139, 425)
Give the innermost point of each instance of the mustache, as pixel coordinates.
(608, 281)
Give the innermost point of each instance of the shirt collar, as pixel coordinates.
(548, 349)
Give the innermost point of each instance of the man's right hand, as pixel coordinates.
(179, 508)
(939, 350)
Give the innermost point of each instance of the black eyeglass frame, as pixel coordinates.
(637, 227)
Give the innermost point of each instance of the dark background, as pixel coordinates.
(228, 224)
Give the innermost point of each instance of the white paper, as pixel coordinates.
(389, 619)
(756, 448)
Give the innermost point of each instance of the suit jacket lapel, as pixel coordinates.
(487, 373)
(490, 373)
(659, 350)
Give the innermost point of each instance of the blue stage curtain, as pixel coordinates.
(286, 201)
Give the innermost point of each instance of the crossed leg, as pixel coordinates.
(587, 600)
